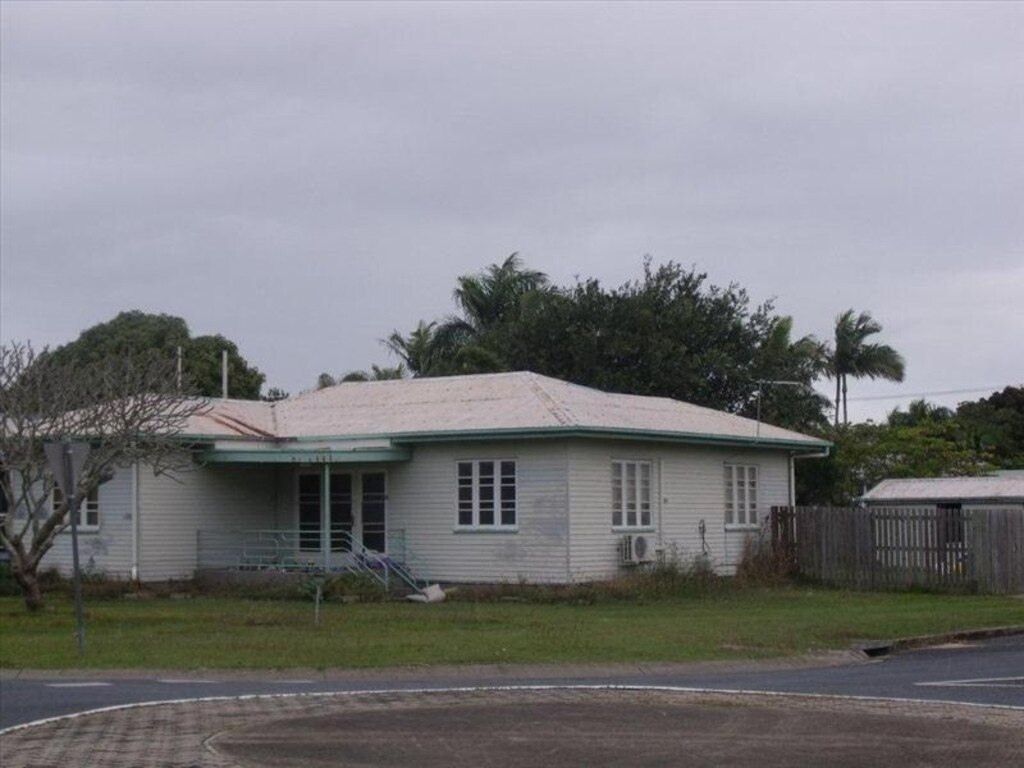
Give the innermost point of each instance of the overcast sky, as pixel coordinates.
(305, 178)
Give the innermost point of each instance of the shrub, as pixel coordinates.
(762, 564)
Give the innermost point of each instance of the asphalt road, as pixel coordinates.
(984, 672)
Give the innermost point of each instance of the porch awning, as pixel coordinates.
(291, 456)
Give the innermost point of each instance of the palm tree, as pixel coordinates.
(487, 299)
(919, 412)
(780, 361)
(417, 350)
(853, 356)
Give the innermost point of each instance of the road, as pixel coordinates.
(985, 672)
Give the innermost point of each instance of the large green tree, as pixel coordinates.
(669, 334)
(134, 332)
(996, 424)
(853, 355)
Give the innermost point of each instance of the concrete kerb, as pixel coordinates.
(884, 647)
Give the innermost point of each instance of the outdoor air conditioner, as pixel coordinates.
(634, 549)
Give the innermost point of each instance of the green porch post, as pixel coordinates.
(325, 514)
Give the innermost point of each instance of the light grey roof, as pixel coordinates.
(487, 403)
(1008, 487)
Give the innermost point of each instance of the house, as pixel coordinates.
(1004, 488)
(485, 478)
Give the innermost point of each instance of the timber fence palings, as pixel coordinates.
(903, 547)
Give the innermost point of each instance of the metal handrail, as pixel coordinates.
(284, 550)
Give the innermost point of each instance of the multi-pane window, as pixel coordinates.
(487, 494)
(740, 494)
(631, 494)
(88, 510)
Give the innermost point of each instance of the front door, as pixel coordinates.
(358, 509)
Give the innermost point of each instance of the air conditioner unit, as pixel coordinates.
(634, 549)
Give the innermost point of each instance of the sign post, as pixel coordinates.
(67, 459)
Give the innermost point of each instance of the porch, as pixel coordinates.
(329, 514)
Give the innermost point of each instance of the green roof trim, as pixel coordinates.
(291, 456)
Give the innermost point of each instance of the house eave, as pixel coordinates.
(316, 456)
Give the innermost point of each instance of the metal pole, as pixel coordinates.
(72, 499)
(224, 374)
(757, 436)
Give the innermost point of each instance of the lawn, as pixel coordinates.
(233, 633)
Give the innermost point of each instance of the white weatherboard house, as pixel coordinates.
(489, 478)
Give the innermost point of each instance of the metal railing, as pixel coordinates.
(303, 551)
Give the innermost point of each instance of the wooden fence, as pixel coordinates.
(899, 547)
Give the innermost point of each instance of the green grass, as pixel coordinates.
(231, 633)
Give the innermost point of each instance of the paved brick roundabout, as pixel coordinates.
(519, 727)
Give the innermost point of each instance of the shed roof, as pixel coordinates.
(1007, 486)
(485, 404)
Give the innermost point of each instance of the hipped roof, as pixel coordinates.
(479, 405)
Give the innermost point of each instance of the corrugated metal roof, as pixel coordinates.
(479, 404)
(998, 486)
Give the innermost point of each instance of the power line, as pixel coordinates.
(995, 388)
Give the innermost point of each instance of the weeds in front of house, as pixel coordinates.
(762, 563)
(672, 577)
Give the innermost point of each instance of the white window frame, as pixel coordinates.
(90, 507)
(741, 483)
(621, 495)
(475, 525)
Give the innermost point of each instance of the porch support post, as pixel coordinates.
(325, 514)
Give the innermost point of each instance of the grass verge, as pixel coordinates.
(225, 633)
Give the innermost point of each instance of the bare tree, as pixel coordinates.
(130, 410)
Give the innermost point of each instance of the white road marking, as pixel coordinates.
(296, 682)
(980, 682)
(185, 682)
(76, 685)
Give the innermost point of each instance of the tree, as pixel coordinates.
(852, 355)
(203, 367)
(376, 373)
(996, 424)
(130, 333)
(274, 394)
(418, 350)
(865, 454)
(919, 413)
(779, 363)
(127, 406)
(488, 300)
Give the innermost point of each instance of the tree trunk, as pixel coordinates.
(28, 580)
(838, 377)
(846, 419)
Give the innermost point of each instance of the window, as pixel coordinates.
(631, 494)
(740, 494)
(88, 510)
(487, 494)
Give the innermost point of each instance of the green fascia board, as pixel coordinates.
(442, 436)
(289, 456)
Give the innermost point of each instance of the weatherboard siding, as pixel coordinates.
(422, 502)
(688, 485)
(173, 509)
(107, 551)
